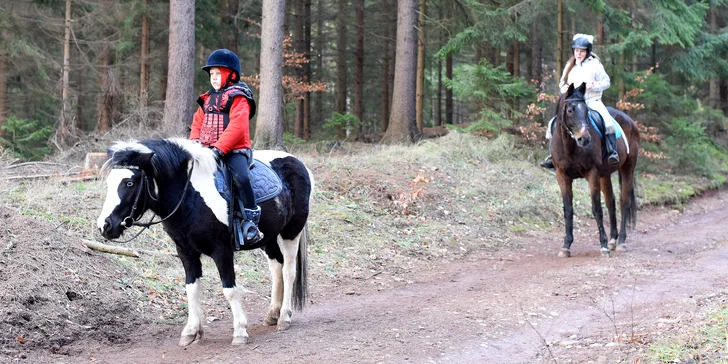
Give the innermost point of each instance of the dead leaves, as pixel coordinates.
(403, 200)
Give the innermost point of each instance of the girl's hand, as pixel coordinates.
(590, 85)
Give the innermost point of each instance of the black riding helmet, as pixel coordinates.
(582, 43)
(223, 58)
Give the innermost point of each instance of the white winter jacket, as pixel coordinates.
(591, 70)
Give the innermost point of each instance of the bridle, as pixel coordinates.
(130, 220)
(561, 119)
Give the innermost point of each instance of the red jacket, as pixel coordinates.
(221, 123)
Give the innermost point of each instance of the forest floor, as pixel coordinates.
(464, 301)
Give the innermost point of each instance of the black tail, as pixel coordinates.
(300, 285)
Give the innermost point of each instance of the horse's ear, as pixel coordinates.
(570, 90)
(582, 88)
(143, 160)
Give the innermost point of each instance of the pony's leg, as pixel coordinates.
(608, 192)
(596, 199)
(193, 273)
(276, 292)
(224, 261)
(567, 199)
(289, 249)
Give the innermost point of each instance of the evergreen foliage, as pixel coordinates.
(27, 140)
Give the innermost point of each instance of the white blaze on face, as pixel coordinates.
(112, 193)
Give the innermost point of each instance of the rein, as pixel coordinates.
(129, 221)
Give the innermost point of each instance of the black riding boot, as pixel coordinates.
(612, 149)
(246, 222)
(548, 163)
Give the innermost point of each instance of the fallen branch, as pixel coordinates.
(36, 176)
(104, 248)
(113, 249)
(34, 164)
(79, 179)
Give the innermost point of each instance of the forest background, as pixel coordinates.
(71, 71)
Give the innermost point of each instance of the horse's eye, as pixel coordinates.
(129, 184)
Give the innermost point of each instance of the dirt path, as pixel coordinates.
(500, 308)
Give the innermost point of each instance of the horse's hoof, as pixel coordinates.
(187, 339)
(284, 322)
(621, 247)
(612, 244)
(564, 253)
(270, 321)
(284, 325)
(606, 253)
(240, 340)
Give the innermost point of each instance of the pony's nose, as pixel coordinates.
(107, 227)
(584, 142)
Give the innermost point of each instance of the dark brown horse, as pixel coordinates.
(577, 153)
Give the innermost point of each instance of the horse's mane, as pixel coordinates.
(169, 155)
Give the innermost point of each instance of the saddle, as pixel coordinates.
(266, 186)
(595, 118)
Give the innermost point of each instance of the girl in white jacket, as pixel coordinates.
(584, 67)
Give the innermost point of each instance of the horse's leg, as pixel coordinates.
(289, 249)
(224, 261)
(567, 198)
(596, 199)
(193, 273)
(608, 192)
(626, 207)
(276, 292)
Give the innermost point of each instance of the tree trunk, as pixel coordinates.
(144, 72)
(536, 54)
(163, 62)
(178, 108)
(438, 108)
(80, 121)
(420, 102)
(63, 132)
(403, 120)
(307, 68)
(269, 128)
(448, 92)
(559, 38)
(3, 81)
(320, 39)
(714, 82)
(386, 9)
(341, 21)
(106, 98)
(298, 45)
(359, 66)
(233, 28)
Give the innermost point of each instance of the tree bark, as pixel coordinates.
(298, 44)
(65, 88)
(448, 92)
(163, 65)
(420, 102)
(714, 82)
(342, 19)
(386, 9)
(106, 98)
(403, 120)
(3, 81)
(320, 39)
(269, 128)
(536, 54)
(307, 68)
(144, 71)
(233, 28)
(178, 108)
(559, 38)
(359, 66)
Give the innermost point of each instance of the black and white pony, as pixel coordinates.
(174, 178)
